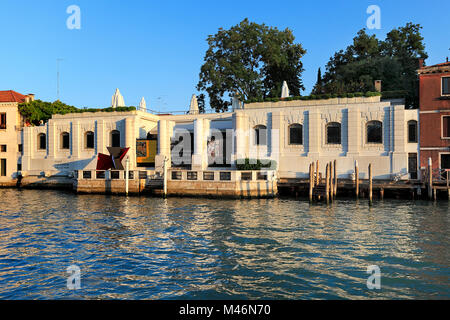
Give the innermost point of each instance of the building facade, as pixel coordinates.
(11, 123)
(291, 133)
(435, 115)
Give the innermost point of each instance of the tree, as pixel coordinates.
(318, 87)
(252, 60)
(393, 60)
(38, 110)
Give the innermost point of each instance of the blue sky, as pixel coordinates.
(155, 48)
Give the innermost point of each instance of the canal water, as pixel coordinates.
(184, 248)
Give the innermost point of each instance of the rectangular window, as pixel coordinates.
(246, 176)
(176, 175)
(3, 167)
(445, 85)
(209, 176)
(412, 131)
(3, 148)
(2, 120)
(192, 175)
(87, 174)
(115, 175)
(261, 175)
(225, 176)
(20, 148)
(100, 175)
(143, 175)
(446, 126)
(130, 175)
(19, 167)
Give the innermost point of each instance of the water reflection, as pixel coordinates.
(151, 248)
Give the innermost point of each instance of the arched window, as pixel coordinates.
(90, 141)
(374, 130)
(295, 134)
(65, 140)
(261, 135)
(115, 138)
(412, 131)
(333, 133)
(42, 141)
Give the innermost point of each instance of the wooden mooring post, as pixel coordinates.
(356, 179)
(311, 181)
(317, 173)
(448, 184)
(327, 183)
(370, 184)
(430, 178)
(331, 181)
(335, 179)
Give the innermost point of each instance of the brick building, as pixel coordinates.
(435, 115)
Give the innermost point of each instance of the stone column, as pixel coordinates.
(27, 148)
(77, 139)
(164, 135)
(101, 143)
(354, 131)
(276, 136)
(52, 139)
(315, 129)
(130, 140)
(399, 156)
(199, 157)
(240, 136)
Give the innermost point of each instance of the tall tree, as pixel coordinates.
(252, 60)
(318, 87)
(393, 60)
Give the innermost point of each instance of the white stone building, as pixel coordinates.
(293, 133)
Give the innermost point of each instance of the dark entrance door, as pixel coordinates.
(412, 165)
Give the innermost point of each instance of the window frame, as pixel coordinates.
(442, 127)
(86, 146)
(416, 131)
(113, 132)
(329, 124)
(3, 124)
(295, 126)
(257, 137)
(367, 132)
(62, 145)
(39, 142)
(442, 86)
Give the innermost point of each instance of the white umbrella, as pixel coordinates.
(285, 90)
(142, 105)
(117, 100)
(193, 108)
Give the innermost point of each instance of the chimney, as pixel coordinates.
(420, 63)
(378, 85)
(29, 97)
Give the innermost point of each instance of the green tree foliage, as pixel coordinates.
(393, 60)
(252, 60)
(318, 87)
(38, 110)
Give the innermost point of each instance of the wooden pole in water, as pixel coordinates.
(356, 179)
(448, 182)
(331, 181)
(370, 183)
(335, 179)
(327, 182)
(317, 173)
(430, 178)
(311, 181)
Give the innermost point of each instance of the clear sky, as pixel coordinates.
(155, 48)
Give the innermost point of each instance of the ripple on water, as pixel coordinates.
(179, 248)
